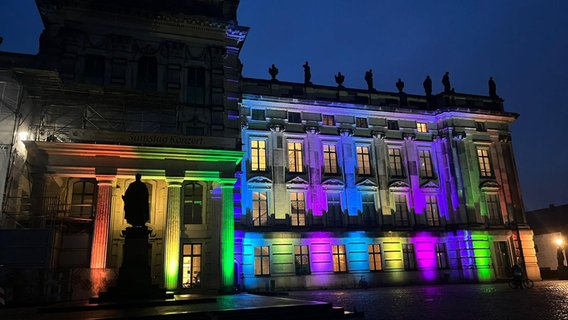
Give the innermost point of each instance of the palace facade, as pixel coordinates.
(255, 184)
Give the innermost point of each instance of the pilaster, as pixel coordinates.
(172, 234)
(99, 246)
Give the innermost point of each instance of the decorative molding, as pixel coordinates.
(312, 129)
(297, 181)
(429, 185)
(366, 183)
(333, 182)
(236, 33)
(458, 135)
(505, 138)
(378, 134)
(489, 185)
(408, 136)
(259, 180)
(277, 127)
(399, 185)
(345, 132)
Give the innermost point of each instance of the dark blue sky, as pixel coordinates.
(523, 44)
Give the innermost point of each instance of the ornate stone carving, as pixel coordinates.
(277, 127)
(312, 129)
(345, 132)
(378, 135)
(408, 136)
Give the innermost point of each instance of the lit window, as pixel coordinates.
(328, 120)
(294, 117)
(262, 261)
(302, 259)
(493, 211)
(329, 159)
(426, 167)
(295, 162)
(395, 162)
(484, 162)
(195, 86)
(259, 209)
(298, 208)
(401, 210)
(339, 258)
(363, 160)
(432, 213)
(421, 127)
(361, 122)
(258, 155)
(191, 272)
(409, 256)
(192, 203)
(375, 262)
(441, 256)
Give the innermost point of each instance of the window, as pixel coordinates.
(432, 213)
(259, 209)
(361, 122)
(401, 210)
(258, 115)
(94, 71)
(294, 117)
(258, 155)
(191, 272)
(192, 203)
(295, 163)
(442, 256)
(484, 162)
(302, 260)
(426, 167)
(195, 86)
(421, 127)
(147, 74)
(298, 208)
(493, 211)
(375, 262)
(262, 261)
(118, 71)
(408, 256)
(83, 199)
(174, 76)
(363, 160)
(339, 258)
(333, 209)
(369, 211)
(392, 124)
(329, 159)
(395, 162)
(480, 126)
(328, 120)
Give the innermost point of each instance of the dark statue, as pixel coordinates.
(400, 85)
(273, 72)
(492, 88)
(427, 86)
(369, 79)
(339, 78)
(446, 83)
(560, 257)
(307, 73)
(136, 208)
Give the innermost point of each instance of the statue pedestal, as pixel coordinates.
(134, 279)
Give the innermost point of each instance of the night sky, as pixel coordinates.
(522, 44)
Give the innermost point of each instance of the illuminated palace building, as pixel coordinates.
(256, 184)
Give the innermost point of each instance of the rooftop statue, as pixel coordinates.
(427, 86)
(307, 73)
(492, 88)
(369, 79)
(136, 208)
(446, 83)
(339, 78)
(273, 72)
(400, 85)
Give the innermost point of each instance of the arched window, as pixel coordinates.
(147, 74)
(83, 199)
(193, 203)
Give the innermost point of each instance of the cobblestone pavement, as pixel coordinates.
(547, 300)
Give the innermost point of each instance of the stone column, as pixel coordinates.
(172, 234)
(227, 236)
(102, 219)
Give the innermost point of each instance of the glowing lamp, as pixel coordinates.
(23, 135)
(559, 242)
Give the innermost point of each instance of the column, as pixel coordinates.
(102, 219)
(172, 234)
(227, 236)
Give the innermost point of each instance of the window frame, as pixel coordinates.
(363, 160)
(257, 207)
(409, 257)
(302, 259)
(330, 165)
(328, 120)
(442, 260)
(258, 155)
(294, 117)
(261, 261)
(295, 156)
(194, 219)
(361, 122)
(375, 257)
(422, 127)
(339, 258)
(484, 162)
(396, 162)
(195, 279)
(432, 211)
(426, 164)
(402, 212)
(298, 209)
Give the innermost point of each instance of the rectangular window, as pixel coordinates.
(195, 86)
(421, 127)
(94, 71)
(329, 159)
(258, 115)
(363, 160)
(339, 258)
(409, 256)
(493, 211)
(328, 120)
(375, 262)
(401, 211)
(118, 71)
(442, 256)
(392, 124)
(302, 260)
(432, 213)
(480, 126)
(395, 162)
(295, 161)
(262, 261)
(258, 155)
(191, 269)
(334, 209)
(294, 117)
(426, 166)
(484, 162)
(192, 203)
(369, 211)
(298, 208)
(259, 209)
(174, 76)
(361, 122)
